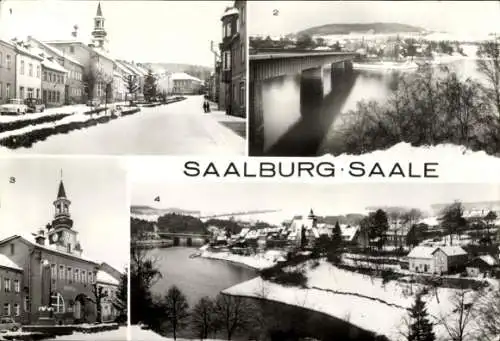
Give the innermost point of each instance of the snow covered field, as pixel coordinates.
(361, 300)
(138, 334)
(258, 261)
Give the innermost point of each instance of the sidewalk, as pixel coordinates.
(237, 124)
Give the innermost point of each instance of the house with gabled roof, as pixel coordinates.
(437, 260)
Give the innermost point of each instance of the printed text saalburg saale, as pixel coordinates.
(309, 169)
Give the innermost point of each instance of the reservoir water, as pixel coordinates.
(299, 119)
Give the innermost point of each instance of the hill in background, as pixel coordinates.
(199, 71)
(331, 29)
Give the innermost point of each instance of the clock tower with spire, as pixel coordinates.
(99, 34)
(60, 232)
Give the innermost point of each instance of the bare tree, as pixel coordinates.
(202, 317)
(99, 295)
(459, 322)
(132, 85)
(176, 306)
(489, 66)
(233, 312)
(489, 316)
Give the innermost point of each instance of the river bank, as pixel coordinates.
(365, 302)
(259, 261)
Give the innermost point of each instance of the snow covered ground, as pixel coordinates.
(138, 334)
(361, 300)
(258, 261)
(120, 334)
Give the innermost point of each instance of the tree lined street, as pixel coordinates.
(177, 128)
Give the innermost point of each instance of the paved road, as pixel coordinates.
(174, 129)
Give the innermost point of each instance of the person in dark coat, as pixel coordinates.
(205, 106)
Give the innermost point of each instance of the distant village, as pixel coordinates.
(459, 239)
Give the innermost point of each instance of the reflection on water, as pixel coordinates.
(300, 112)
(196, 277)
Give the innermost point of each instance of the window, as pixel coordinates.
(26, 303)
(84, 277)
(17, 286)
(69, 274)
(22, 67)
(30, 92)
(53, 271)
(242, 95)
(38, 71)
(6, 309)
(8, 60)
(37, 93)
(61, 270)
(69, 245)
(58, 94)
(21, 92)
(30, 70)
(226, 62)
(77, 276)
(7, 96)
(45, 76)
(91, 279)
(58, 303)
(6, 284)
(17, 309)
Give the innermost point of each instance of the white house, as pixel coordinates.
(28, 72)
(110, 286)
(436, 260)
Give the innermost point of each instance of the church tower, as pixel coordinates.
(99, 34)
(60, 232)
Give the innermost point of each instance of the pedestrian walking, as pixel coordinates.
(205, 106)
(208, 106)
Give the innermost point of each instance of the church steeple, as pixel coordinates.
(61, 205)
(99, 33)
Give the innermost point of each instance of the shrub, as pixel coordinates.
(291, 278)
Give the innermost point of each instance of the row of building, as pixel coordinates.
(227, 85)
(66, 72)
(45, 277)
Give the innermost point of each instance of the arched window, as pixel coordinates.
(58, 303)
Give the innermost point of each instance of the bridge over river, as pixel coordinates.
(309, 65)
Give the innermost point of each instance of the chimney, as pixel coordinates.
(40, 237)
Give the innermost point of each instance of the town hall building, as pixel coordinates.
(47, 271)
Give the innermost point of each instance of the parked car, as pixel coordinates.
(93, 102)
(34, 105)
(14, 106)
(7, 323)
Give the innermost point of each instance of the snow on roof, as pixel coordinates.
(6, 262)
(421, 252)
(244, 232)
(452, 250)
(348, 232)
(231, 11)
(30, 238)
(53, 65)
(55, 51)
(104, 277)
(184, 76)
(488, 259)
(21, 47)
(428, 251)
(431, 221)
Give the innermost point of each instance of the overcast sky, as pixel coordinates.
(451, 16)
(144, 31)
(98, 194)
(299, 198)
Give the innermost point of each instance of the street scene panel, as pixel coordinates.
(64, 249)
(356, 77)
(77, 78)
(309, 262)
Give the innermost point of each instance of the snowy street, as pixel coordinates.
(113, 335)
(177, 128)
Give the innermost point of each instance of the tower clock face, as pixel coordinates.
(54, 237)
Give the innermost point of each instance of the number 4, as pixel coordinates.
(157, 199)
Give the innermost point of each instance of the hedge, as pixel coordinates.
(24, 123)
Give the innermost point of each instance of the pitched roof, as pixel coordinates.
(61, 193)
(421, 252)
(55, 51)
(106, 278)
(6, 262)
(184, 76)
(30, 239)
(452, 250)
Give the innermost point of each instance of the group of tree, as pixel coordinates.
(374, 227)
(150, 87)
(225, 314)
(330, 246)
